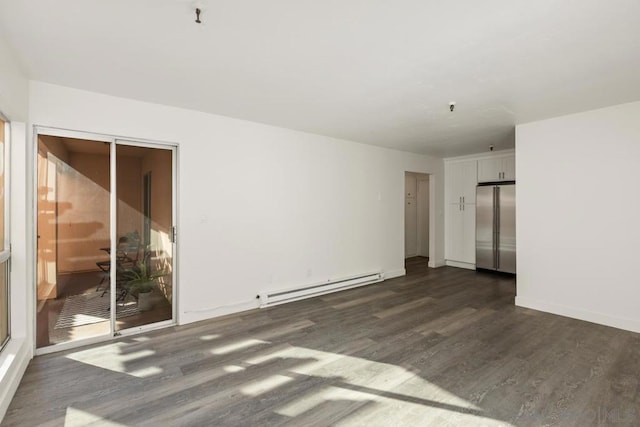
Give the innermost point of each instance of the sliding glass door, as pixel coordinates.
(105, 221)
(5, 253)
(145, 219)
(73, 241)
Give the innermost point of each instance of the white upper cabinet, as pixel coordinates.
(509, 168)
(489, 170)
(497, 169)
(461, 179)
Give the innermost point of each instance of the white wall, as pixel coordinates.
(260, 207)
(578, 215)
(423, 215)
(13, 85)
(13, 104)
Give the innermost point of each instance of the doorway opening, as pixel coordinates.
(105, 246)
(416, 217)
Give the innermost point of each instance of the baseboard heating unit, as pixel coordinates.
(268, 299)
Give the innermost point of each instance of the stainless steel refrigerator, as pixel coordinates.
(496, 227)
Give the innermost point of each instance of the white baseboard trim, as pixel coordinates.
(459, 264)
(14, 360)
(395, 273)
(580, 314)
(436, 263)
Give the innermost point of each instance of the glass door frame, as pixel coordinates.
(5, 254)
(113, 142)
(132, 142)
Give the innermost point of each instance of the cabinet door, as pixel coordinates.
(489, 170)
(461, 179)
(509, 168)
(461, 233)
(469, 181)
(454, 232)
(453, 183)
(468, 243)
(497, 169)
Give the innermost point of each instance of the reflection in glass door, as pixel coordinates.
(105, 212)
(144, 280)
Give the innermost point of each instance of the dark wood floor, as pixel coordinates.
(437, 347)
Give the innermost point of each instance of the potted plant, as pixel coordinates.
(140, 282)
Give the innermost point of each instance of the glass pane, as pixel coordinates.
(4, 303)
(73, 240)
(145, 255)
(4, 289)
(2, 195)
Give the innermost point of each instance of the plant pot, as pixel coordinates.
(144, 301)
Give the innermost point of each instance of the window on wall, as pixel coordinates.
(4, 246)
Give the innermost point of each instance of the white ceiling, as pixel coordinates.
(375, 71)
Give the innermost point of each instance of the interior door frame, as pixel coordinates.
(432, 218)
(113, 141)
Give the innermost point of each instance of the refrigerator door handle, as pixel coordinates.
(494, 247)
(497, 228)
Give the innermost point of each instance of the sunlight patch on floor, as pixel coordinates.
(210, 337)
(113, 358)
(241, 345)
(389, 394)
(310, 401)
(259, 387)
(76, 418)
(86, 331)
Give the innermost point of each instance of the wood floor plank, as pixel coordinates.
(364, 299)
(402, 308)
